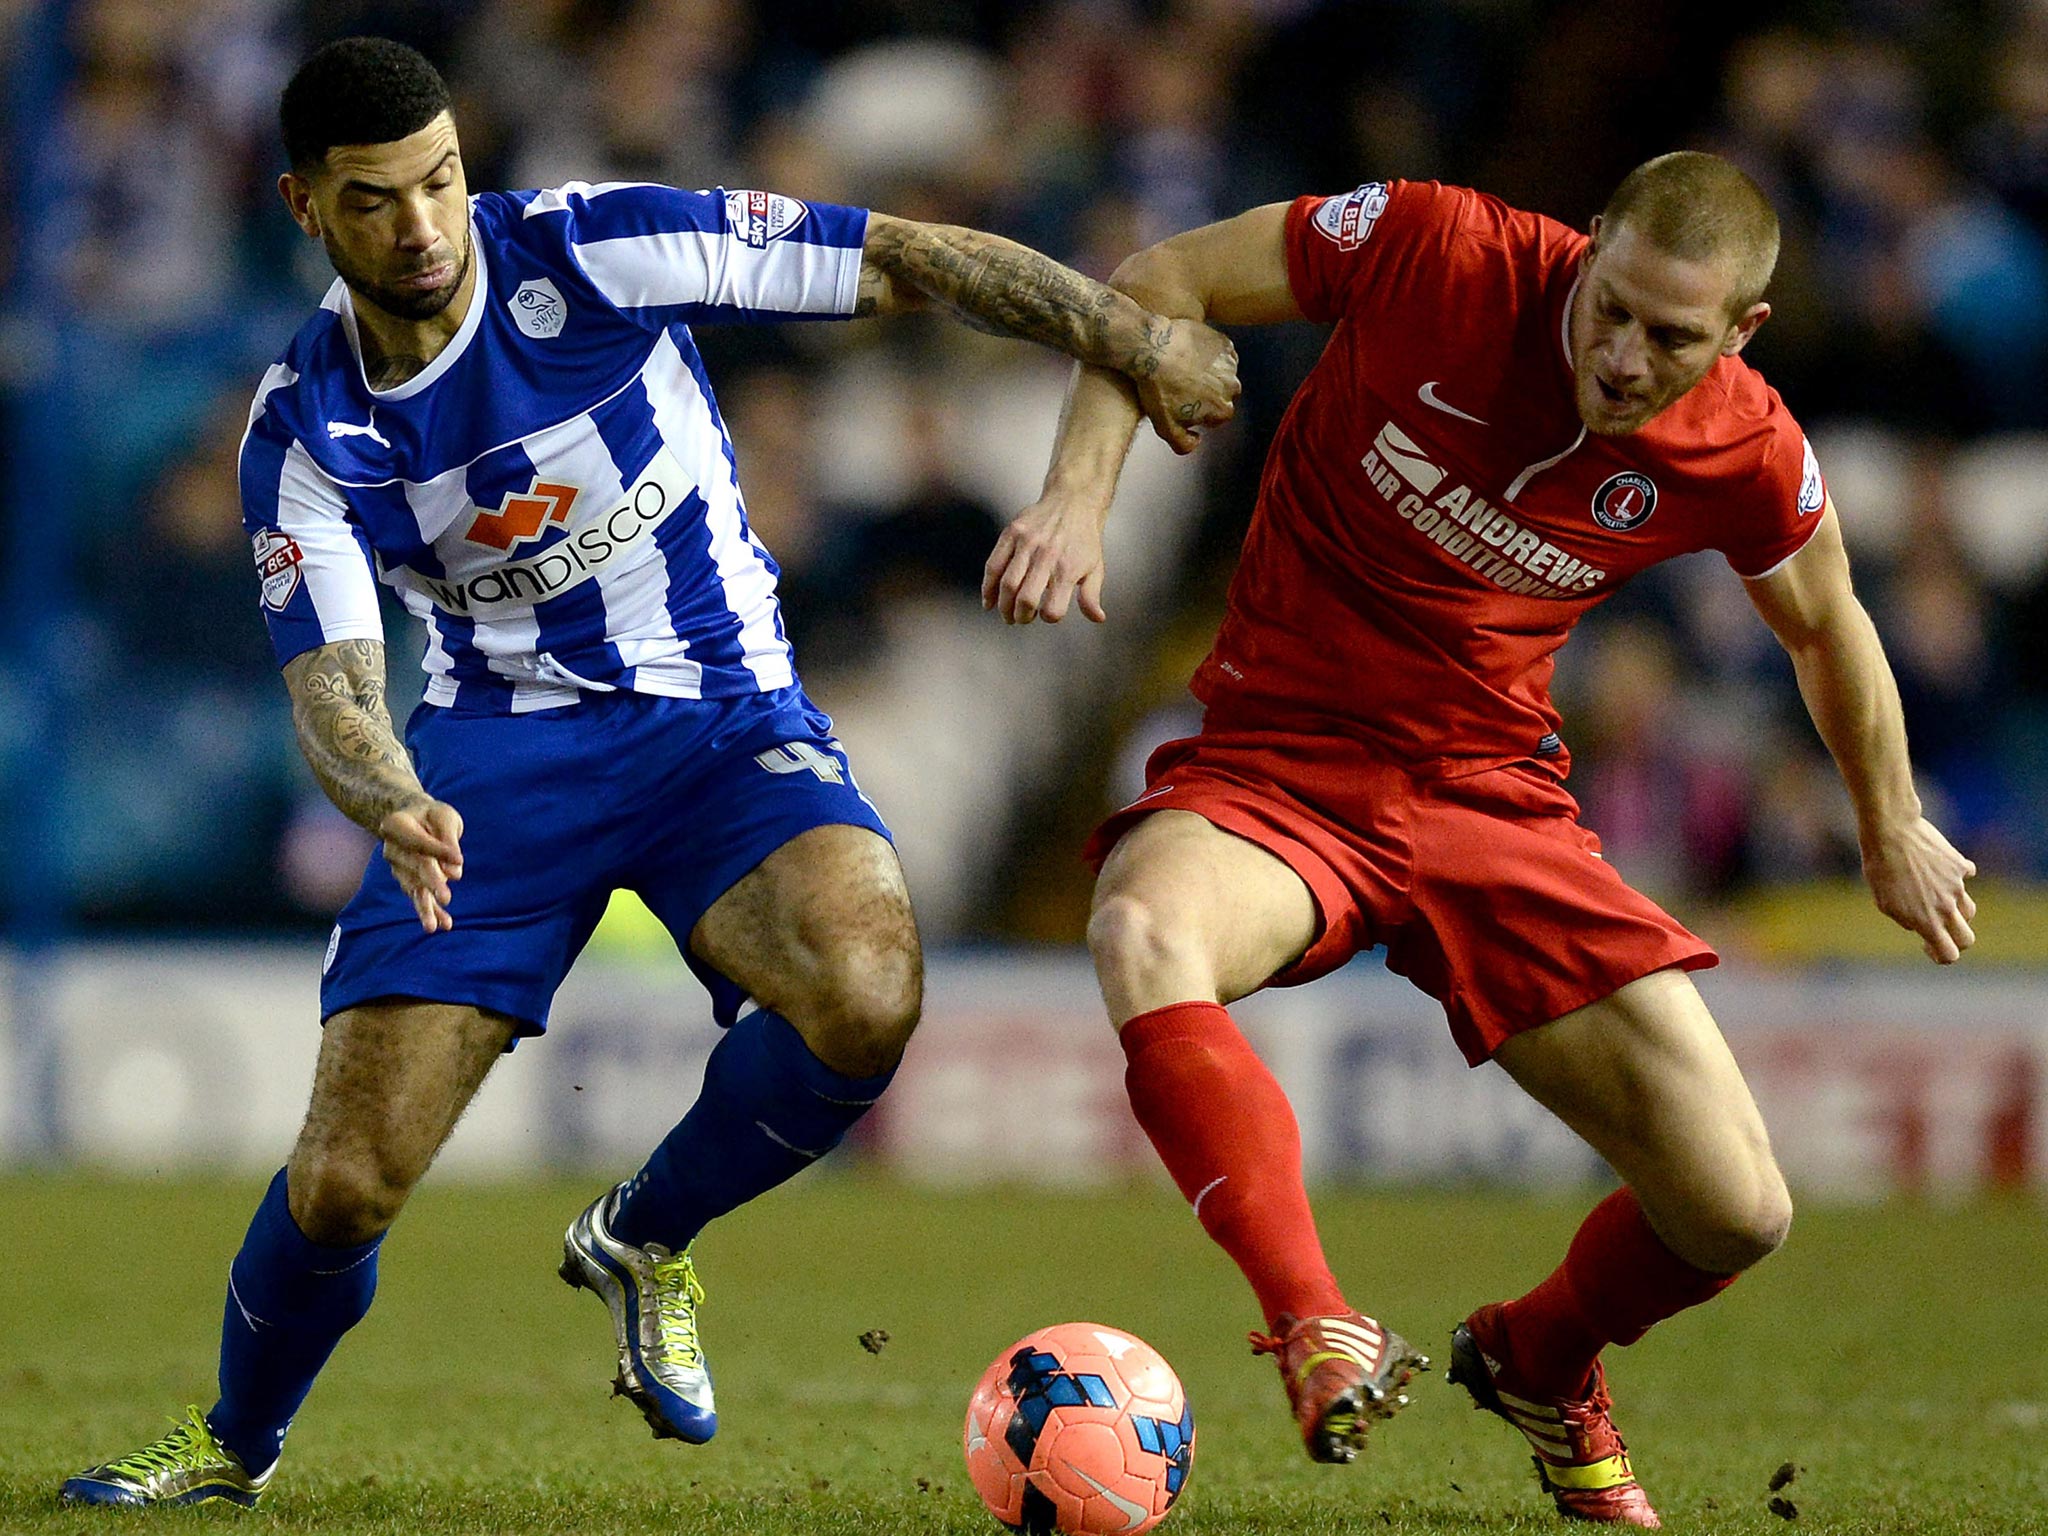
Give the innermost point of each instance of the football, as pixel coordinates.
(1079, 1428)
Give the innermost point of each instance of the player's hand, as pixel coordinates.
(1917, 878)
(1189, 383)
(423, 846)
(1049, 556)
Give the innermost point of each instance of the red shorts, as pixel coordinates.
(1486, 891)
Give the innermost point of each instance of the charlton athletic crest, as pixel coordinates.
(1625, 501)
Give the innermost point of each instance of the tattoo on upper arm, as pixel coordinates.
(344, 728)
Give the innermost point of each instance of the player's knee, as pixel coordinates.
(865, 1007)
(342, 1201)
(1740, 1231)
(1134, 943)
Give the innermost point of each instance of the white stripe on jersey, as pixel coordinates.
(311, 512)
(713, 267)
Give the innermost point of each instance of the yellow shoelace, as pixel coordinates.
(679, 1294)
(188, 1448)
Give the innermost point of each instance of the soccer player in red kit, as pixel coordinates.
(1508, 421)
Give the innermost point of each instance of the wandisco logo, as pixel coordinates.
(1624, 501)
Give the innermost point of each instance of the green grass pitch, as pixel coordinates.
(1898, 1356)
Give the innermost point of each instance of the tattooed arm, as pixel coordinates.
(345, 732)
(1185, 373)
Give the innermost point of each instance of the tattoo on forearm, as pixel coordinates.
(1013, 291)
(345, 731)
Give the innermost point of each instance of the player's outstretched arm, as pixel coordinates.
(1915, 875)
(344, 730)
(1234, 273)
(1185, 375)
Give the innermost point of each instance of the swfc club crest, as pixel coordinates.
(538, 309)
(1624, 501)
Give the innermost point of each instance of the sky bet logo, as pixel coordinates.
(758, 217)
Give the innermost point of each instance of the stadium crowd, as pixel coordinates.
(1905, 145)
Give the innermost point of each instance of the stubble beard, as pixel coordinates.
(402, 303)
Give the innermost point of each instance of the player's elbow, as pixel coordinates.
(1156, 278)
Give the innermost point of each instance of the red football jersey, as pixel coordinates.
(1433, 519)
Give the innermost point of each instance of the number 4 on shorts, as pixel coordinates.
(800, 757)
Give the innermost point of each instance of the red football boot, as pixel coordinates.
(1342, 1373)
(1581, 1459)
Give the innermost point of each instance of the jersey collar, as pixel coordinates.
(472, 321)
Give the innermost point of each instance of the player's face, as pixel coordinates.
(394, 218)
(1646, 326)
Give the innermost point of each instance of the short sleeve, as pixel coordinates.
(661, 255)
(1344, 251)
(1783, 504)
(312, 560)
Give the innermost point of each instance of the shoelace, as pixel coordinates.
(678, 1295)
(1265, 1343)
(187, 1448)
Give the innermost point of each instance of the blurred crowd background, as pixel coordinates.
(148, 272)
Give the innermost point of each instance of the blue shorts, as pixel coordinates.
(673, 799)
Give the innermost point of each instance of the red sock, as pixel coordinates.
(1616, 1280)
(1228, 1136)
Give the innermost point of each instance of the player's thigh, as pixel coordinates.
(821, 932)
(1184, 908)
(393, 1078)
(1645, 1077)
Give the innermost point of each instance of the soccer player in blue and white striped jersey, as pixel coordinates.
(499, 412)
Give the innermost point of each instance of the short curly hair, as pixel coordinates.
(359, 90)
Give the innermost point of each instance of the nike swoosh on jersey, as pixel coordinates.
(1427, 394)
(1130, 1508)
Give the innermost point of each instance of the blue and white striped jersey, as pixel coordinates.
(554, 494)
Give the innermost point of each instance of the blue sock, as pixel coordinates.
(768, 1110)
(290, 1300)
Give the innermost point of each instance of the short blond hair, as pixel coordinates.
(1700, 207)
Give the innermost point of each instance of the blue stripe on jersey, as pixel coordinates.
(640, 210)
(393, 528)
(477, 687)
(623, 212)
(718, 645)
(834, 225)
(694, 361)
(570, 628)
(625, 424)
(696, 597)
